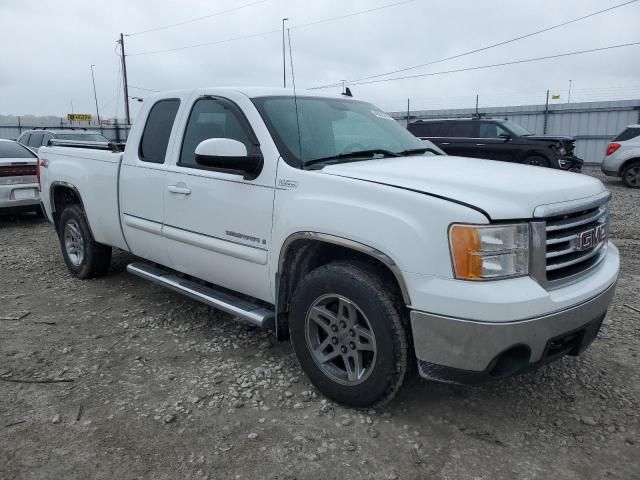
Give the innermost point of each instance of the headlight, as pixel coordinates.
(489, 252)
(562, 151)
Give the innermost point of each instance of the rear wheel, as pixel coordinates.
(537, 161)
(348, 334)
(631, 175)
(85, 258)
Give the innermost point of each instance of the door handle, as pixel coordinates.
(445, 143)
(480, 144)
(179, 190)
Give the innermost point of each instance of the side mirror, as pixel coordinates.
(228, 155)
(505, 136)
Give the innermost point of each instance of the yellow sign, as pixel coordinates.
(555, 97)
(79, 117)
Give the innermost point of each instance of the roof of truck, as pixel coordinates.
(254, 92)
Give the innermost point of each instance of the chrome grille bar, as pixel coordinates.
(572, 241)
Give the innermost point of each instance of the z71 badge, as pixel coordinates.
(287, 184)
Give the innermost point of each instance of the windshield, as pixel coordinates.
(82, 137)
(516, 129)
(330, 127)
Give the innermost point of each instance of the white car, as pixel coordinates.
(324, 219)
(18, 183)
(623, 157)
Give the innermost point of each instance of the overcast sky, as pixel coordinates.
(47, 49)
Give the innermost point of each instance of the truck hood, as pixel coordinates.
(551, 138)
(500, 190)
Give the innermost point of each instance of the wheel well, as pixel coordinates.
(535, 153)
(627, 163)
(304, 255)
(61, 197)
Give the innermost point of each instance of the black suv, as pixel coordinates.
(498, 140)
(33, 139)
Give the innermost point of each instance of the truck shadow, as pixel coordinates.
(12, 219)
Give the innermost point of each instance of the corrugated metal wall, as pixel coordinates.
(592, 124)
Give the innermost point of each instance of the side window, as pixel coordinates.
(35, 140)
(427, 129)
(24, 139)
(155, 137)
(213, 118)
(460, 130)
(490, 130)
(47, 137)
(628, 134)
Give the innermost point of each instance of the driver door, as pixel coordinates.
(217, 224)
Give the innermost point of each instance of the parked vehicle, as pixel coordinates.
(18, 184)
(623, 157)
(502, 140)
(34, 139)
(324, 219)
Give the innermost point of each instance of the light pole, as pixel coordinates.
(95, 95)
(284, 57)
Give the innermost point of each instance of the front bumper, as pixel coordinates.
(467, 351)
(19, 196)
(570, 163)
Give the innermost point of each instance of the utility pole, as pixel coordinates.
(284, 57)
(124, 80)
(95, 96)
(408, 110)
(569, 99)
(546, 115)
(477, 101)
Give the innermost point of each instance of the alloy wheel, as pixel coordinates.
(340, 339)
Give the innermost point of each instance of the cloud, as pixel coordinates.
(47, 52)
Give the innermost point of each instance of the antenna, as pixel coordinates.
(295, 96)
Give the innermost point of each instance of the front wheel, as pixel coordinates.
(349, 335)
(85, 258)
(537, 161)
(631, 175)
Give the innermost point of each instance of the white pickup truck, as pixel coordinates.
(324, 219)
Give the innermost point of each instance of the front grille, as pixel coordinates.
(575, 242)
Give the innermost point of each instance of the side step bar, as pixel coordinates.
(254, 314)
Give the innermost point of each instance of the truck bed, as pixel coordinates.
(94, 174)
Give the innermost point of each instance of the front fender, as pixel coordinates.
(407, 227)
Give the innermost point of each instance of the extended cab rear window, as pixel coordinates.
(628, 134)
(155, 137)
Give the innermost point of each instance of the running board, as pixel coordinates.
(254, 314)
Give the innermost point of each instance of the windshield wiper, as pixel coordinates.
(413, 151)
(360, 153)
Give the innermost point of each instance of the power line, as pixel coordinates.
(494, 65)
(270, 32)
(171, 25)
(487, 47)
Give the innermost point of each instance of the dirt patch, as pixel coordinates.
(158, 386)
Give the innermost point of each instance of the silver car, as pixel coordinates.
(623, 157)
(18, 178)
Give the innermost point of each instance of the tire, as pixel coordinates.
(85, 258)
(631, 175)
(368, 308)
(537, 161)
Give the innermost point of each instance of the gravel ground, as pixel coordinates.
(162, 387)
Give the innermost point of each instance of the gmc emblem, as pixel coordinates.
(592, 237)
